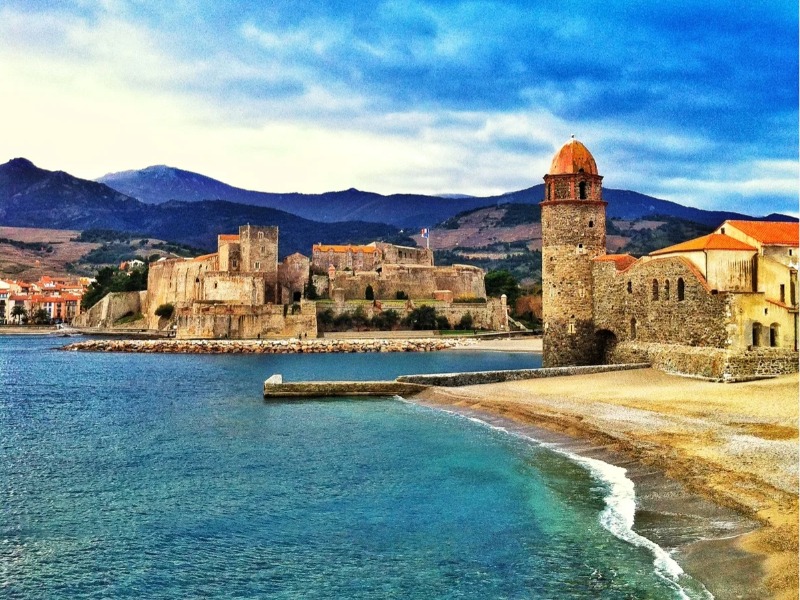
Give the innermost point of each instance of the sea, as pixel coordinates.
(169, 476)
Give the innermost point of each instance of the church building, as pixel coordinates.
(722, 306)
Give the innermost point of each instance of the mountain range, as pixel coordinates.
(190, 208)
(159, 184)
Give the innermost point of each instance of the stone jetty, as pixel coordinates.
(290, 346)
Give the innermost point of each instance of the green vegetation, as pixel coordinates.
(20, 312)
(129, 317)
(423, 317)
(520, 214)
(34, 246)
(523, 266)
(165, 311)
(466, 322)
(502, 282)
(40, 317)
(674, 231)
(469, 300)
(100, 236)
(401, 295)
(109, 279)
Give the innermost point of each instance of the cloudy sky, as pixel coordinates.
(695, 102)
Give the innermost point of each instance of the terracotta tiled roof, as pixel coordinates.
(622, 261)
(331, 248)
(770, 232)
(572, 158)
(206, 256)
(712, 241)
(229, 237)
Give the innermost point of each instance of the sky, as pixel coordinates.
(695, 102)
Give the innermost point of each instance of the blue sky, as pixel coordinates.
(695, 102)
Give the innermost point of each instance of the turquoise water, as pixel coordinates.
(167, 476)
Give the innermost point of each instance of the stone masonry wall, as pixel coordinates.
(700, 319)
(712, 363)
(110, 308)
(415, 281)
(212, 321)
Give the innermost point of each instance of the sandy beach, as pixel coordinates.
(734, 444)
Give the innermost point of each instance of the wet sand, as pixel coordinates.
(735, 445)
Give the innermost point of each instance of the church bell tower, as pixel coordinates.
(573, 233)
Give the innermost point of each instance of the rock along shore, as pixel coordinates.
(290, 346)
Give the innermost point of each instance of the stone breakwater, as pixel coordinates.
(291, 346)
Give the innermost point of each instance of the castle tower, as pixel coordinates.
(573, 233)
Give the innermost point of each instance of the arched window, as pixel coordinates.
(633, 329)
(549, 186)
(666, 290)
(774, 331)
(655, 289)
(756, 334)
(582, 190)
(630, 286)
(571, 326)
(681, 287)
(591, 223)
(261, 235)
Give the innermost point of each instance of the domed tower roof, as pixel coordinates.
(573, 157)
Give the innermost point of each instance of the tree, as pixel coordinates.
(369, 293)
(466, 322)
(502, 282)
(386, 320)
(423, 317)
(41, 317)
(442, 322)
(165, 311)
(19, 311)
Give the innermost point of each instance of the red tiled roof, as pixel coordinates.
(229, 237)
(770, 232)
(622, 261)
(332, 248)
(712, 241)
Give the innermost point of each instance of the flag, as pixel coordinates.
(425, 232)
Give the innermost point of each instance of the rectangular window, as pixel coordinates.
(783, 293)
(258, 265)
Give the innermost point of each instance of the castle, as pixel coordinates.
(242, 291)
(723, 306)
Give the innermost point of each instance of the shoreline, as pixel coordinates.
(688, 471)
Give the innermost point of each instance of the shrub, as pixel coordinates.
(423, 317)
(469, 300)
(442, 322)
(165, 311)
(325, 320)
(401, 295)
(466, 322)
(386, 320)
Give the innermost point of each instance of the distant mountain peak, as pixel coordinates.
(20, 163)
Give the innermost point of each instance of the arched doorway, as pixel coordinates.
(606, 341)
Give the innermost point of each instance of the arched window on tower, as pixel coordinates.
(681, 287)
(655, 289)
(548, 191)
(582, 190)
(666, 290)
(633, 329)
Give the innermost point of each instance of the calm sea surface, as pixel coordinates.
(168, 476)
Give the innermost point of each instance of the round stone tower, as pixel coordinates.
(573, 233)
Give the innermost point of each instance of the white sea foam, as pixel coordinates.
(618, 515)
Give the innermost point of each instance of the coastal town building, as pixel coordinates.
(723, 305)
(58, 297)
